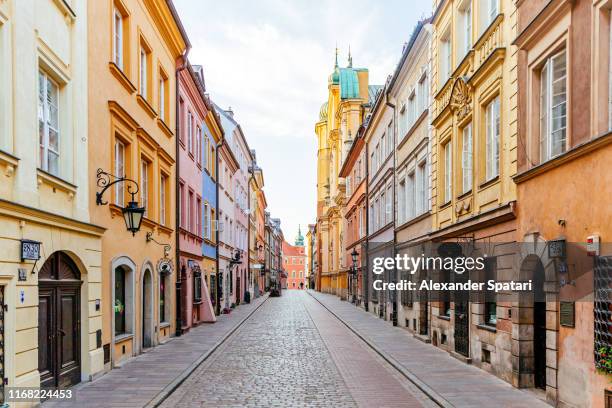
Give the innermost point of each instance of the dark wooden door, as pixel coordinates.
(59, 324)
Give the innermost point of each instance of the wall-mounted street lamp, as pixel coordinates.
(132, 213)
(354, 256)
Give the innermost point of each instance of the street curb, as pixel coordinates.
(426, 389)
(170, 388)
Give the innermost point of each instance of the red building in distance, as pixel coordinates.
(294, 263)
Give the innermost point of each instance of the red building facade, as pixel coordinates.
(294, 264)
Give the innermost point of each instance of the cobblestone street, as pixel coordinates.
(293, 352)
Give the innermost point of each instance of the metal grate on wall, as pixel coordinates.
(603, 305)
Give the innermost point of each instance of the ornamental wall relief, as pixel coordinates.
(461, 98)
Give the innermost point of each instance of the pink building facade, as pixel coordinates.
(196, 306)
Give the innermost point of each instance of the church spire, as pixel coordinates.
(336, 64)
(350, 58)
(299, 240)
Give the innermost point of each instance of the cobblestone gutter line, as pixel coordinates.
(437, 398)
(169, 389)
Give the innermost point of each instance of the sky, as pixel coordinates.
(269, 61)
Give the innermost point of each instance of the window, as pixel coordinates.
(190, 132)
(163, 92)
(490, 316)
(190, 218)
(390, 138)
(162, 298)
(401, 201)
(445, 57)
(144, 185)
(197, 287)
(198, 229)
(118, 38)
(410, 202)
(162, 199)
(422, 190)
(206, 221)
(411, 109)
(119, 172)
(143, 72)
(466, 158)
(182, 204)
(448, 172)
(122, 301)
(389, 205)
(199, 145)
(48, 123)
(493, 10)
(553, 107)
(466, 26)
(423, 94)
(182, 118)
(492, 135)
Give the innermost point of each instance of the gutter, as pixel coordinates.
(395, 307)
(178, 330)
(218, 300)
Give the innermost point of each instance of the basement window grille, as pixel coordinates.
(603, 305)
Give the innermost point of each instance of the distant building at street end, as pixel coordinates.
(294, 263)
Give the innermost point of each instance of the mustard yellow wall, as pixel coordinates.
(490, 70)
(117, 110)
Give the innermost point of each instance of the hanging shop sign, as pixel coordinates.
(164, 265)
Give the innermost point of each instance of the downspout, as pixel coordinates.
(395, 307)
(179, 324)
(366, 271)
(251, 295)
(217, 292)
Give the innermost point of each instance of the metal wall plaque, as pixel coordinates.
(567, 315)
(556, 249)
(30, 250)
(23, 274)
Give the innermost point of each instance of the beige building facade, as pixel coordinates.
(44, 199)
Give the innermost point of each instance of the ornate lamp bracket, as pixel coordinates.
(167, 247)
(105, 180)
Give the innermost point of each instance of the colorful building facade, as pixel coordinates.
(195, 302)
(294, 263)
(132, 126)
(349, 95)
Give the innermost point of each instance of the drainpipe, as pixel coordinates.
(366, 272)
(177, 220)
(395, 306)
(217, 292)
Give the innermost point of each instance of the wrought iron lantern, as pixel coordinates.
(132, 213)
(354, 256)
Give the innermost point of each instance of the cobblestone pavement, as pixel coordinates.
(294, 353)
(454, 383)
(143, 378)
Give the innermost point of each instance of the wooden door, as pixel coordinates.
(59, 323)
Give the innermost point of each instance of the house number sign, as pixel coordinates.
(30, 250)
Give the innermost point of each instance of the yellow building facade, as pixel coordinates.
(339, 120)
(474, 157)
(49, 247)
(134, 46)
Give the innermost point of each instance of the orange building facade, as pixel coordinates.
(294, 265)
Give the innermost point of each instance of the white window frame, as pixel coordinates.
(445, 57)
(546, 109)
(144, 185)
(44, 118)
(119, 171)
(466, 157)
(411, 195)
(118, 38)
(143, 72)
(492, 135)
(422, 94)
(493, 10)
(422, 187)
(162, 97)
(401, 201)
(448, 171)
(466, 15)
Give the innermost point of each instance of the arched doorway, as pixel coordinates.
(59, 323)
(147, 309)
